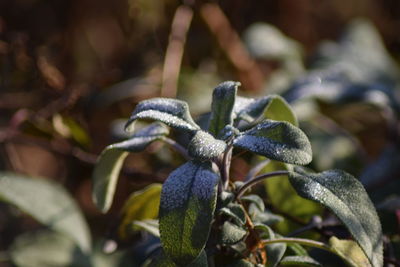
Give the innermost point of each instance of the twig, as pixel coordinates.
(228, 39)
(256, 169)
(258, 179)
(173, 57)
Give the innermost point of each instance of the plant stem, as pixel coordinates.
(226, 165)
(177, 147)
(258, 179)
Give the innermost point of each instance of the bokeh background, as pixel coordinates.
(71, 72)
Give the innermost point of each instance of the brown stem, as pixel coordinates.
(228, 39)
(173, 57)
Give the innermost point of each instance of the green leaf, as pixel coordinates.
(47, 248)
(110, 161)
(258, 201)
(347, 198)
(235, 211)
(204, 146)
(272, 107)
(141, 205)
(278, 141)
(187, 205)
(299, 261)
(48, 203)
(265, 217)
(282, 196)
(349, 251)
(162, 260)
(231, 233)
(279, 110)
(174, 113)
(222, 106)
(276, 251)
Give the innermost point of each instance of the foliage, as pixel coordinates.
(202, 211)
(237, 196)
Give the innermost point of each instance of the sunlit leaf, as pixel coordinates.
(347, 198)
(48, 203)
(349, 251)
(278, 141)
(272, 107)
(141, 205)
(282, 196)
(187, 205)
(150, 226)
(204, 146)
(109, 163)
(174, 113)
(222, 106)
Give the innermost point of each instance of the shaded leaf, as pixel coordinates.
(258, 201)
(349, 251)
(240, 263)
(204, 146)
(174, 113)
(110, 161)
(276, 251)
(141, 205)
(278, 141)
(231, 233)
(162, 260)
(347, 198)
(48, 203)
(47, 248)
(222, 106)
(234, 211)
(265, 217)
(299, 261)
(187, 205)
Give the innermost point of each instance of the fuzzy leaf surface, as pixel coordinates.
(347, 198)
(204, 146)
(187, 205)
(110, 161)
(172, 112)
(278, 141)
(270, 107)
(48, 203)
(231, 233)
(222, 106)
(141, 205)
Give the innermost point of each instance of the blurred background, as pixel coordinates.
(71, 72)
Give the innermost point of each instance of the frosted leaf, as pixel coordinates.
(174, 113)
(187, 205)
(347, 198)
(222, 105)
(278, 141)
(110, 161)
(204, 146)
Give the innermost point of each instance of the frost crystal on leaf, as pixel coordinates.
(174, 113)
